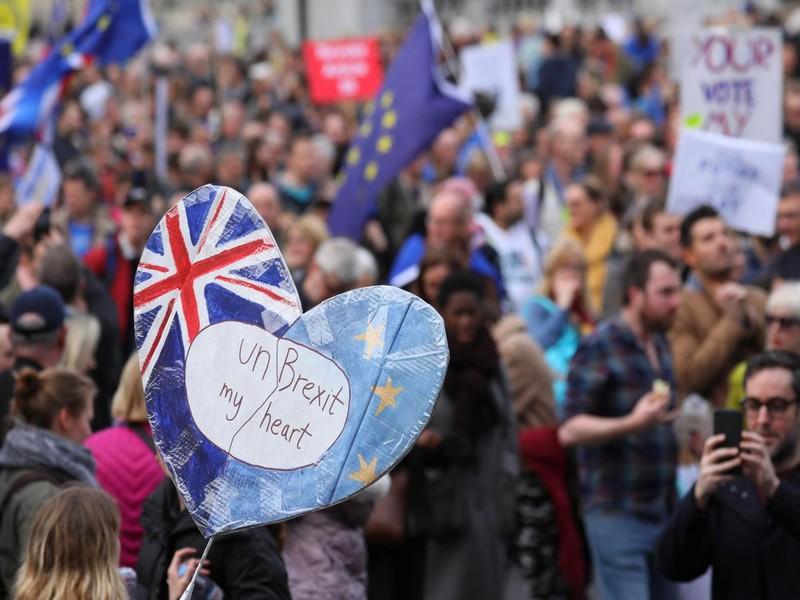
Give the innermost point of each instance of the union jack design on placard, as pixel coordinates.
(210, 259)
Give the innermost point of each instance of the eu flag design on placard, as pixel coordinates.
(261, 413)
(112, 32)
(413, 105)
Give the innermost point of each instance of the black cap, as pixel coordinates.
(138, 196)
(38, 311)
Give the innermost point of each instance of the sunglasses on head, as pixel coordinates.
(783, 322)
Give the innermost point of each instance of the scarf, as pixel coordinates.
(467, 384)
(597, 248)
(29, 447)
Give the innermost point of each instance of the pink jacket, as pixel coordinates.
(127, 469)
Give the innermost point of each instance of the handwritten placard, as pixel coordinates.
(731, 82)
(267, 401)
(740, 178)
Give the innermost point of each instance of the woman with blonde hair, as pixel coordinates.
(127, 467)
(593, 226)
(303, 237)
(80, 344)
(558, 316)
(73, 550)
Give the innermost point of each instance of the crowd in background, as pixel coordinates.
(592, 333)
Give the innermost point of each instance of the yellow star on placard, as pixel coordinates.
(371, 171)
(353, 156)
(373, 339)
(365, 129)
(387, 98)
(366, 471)
(103, 22)
(389, 119)
(388, 395)
(384, 144)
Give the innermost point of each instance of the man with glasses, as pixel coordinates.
(783, 318)
(783, 333)
(747, 527)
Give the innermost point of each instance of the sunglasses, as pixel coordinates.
(652, 173)
(782, 322)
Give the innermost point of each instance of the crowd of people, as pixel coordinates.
(592, 335)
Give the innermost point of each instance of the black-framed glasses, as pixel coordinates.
(776, 407)
(783, 322)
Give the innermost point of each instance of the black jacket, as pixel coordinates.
(752, 548)
(246, 564)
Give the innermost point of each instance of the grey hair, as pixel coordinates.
(367, 265)
(787, 296)
(339, 257)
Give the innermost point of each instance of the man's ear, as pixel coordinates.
(688, 257)
(62, 337)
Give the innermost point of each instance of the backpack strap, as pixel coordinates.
(26, 478)
(142, 434)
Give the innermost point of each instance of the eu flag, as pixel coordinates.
(112, 32)
(413, 105)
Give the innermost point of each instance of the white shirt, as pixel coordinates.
(520, 261)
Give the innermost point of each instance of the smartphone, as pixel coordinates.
(729, 422)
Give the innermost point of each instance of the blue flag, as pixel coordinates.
(112, 32)
(413, 105)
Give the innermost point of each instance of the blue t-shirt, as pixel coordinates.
(80, 237)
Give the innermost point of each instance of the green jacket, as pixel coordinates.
(18, 508)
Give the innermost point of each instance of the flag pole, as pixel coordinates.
(482, 128)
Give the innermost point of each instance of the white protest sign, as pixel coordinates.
(269, 402)
(731, 83)
(42, 178)
(740, 178)
(688, 17)
(492, 69)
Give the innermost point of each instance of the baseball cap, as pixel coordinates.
(38, 311)
(138, 196)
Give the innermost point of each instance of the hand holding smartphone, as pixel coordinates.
(729, 423)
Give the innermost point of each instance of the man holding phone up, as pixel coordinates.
(747, 528)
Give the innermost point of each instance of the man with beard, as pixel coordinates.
(507, 233)
(619, 405)
(747, 528)
(720, 322)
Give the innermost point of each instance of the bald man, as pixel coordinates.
(447, 226)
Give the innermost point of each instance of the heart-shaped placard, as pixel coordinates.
(262, 414)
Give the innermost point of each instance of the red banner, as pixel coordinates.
(347, 69)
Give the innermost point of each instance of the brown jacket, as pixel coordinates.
(530, 380)
(707, 344)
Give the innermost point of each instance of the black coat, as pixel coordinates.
(246, 564)
(752, 548)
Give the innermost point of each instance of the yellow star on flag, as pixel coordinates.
(388, 395)
(373, 339)
(387, 98)
(365, 129)
(353, 156)
(389, 119)
(67, 49)
(103, 22)
(366, 471)
(384, 144)
(371, 171)
(369, 108)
